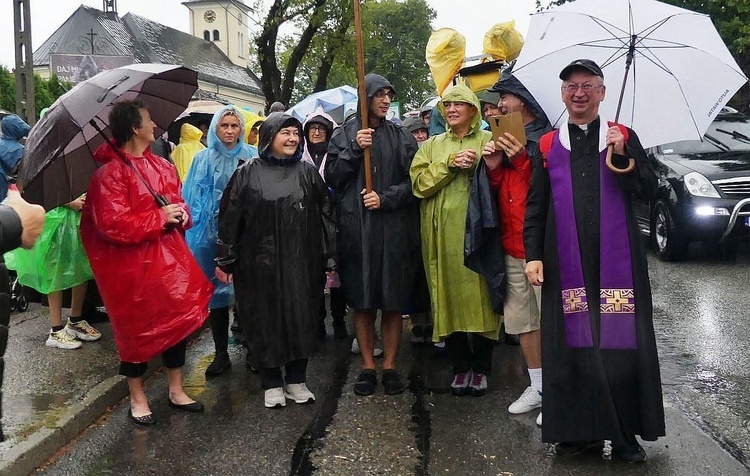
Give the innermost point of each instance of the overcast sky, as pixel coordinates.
(471, 17)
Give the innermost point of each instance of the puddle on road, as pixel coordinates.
(25, 413)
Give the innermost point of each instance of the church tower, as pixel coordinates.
(223, 22)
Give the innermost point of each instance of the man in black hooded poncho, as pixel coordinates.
(277, 236)
(378, 231)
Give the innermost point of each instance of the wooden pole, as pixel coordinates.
(364, 107)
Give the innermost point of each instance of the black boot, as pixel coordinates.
(220, 364)
(220, 331)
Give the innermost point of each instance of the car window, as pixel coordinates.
(724, 134)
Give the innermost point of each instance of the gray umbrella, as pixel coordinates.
(58, 162)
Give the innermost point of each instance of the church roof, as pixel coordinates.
(148, 42)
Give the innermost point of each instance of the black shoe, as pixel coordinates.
(570, 448)
(94, 316)
(366, 383)
(220, 365)
(250, 363)
(145, 420)
(339, 329)
(392, 384)
(236, 327)
(193, 407)
(630, 452)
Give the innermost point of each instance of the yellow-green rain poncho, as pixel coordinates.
(459, 297)
(252, 120)
(190, 144)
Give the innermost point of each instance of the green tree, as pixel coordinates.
(46, 91)
(395, 34)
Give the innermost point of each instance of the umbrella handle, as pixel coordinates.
(626, 170)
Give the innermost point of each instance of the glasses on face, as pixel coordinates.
(587, 88)
(383, 93)
(317, 129)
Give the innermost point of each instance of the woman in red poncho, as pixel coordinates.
(155, 292)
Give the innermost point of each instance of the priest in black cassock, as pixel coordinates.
(601, 369)
(276, 238)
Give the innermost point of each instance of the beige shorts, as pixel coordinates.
(522, 300)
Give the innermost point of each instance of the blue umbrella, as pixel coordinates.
(331, 100)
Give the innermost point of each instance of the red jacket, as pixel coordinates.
(155, 293)
(512, 185)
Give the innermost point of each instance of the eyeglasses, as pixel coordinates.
(587, 88)
(383, 93)
(317, 128)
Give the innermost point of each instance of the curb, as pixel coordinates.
(42, 444)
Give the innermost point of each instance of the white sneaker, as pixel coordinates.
(539, 419)
(274, 398)
(81, 330)
(62, 340)
(529, 400)
(299, 393)
(376, 352)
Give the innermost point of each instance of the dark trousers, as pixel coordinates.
(173, 358)
(468, 355)
(296, 372)
(338, 305)
(219, 319)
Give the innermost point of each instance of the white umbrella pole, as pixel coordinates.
(610, 148)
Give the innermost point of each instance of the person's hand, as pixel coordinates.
(535, 272)
(616, 139)
(175, 213)
(509, 145)
(77, 204)
(225, 278)
(32, 217)
(492, 157)
(372, 199)
(364, 137)
(464, 159)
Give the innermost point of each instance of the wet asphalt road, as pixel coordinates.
(702, 329)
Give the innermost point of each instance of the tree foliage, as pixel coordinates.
(321, 53)
(46, 91)
(730, 19)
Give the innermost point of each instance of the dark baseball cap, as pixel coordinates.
(586, 64)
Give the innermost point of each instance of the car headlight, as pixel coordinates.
(699, 186)
(711, 211)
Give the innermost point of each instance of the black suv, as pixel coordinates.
(704, 190)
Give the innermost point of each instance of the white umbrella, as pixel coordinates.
(332, 101)
(681, 73)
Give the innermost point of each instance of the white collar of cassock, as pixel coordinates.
(565, 136)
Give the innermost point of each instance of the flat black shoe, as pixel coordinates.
(366, 383)
(570, 448)
(220, 364)
(145, 420)
(392, 384)
(630, 453)
(193, 407)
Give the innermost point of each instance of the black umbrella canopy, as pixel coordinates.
(58, 162)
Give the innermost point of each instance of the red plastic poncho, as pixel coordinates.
(155, 293)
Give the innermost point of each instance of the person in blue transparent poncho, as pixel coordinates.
(204, 185)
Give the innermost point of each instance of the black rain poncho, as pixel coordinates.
(277, 233)
(378, 250)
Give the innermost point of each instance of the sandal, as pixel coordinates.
(392, 383)
(366, 383)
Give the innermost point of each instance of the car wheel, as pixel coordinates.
(667, 243)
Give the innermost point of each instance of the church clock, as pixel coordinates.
(209, 16)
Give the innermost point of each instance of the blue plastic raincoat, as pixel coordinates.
(204, 185)
(13, 129)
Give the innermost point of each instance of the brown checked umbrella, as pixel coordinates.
(58, 162)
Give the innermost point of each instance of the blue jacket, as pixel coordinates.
(13, 129)
(204, 185)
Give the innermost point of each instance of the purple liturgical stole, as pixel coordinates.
(616, 299)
